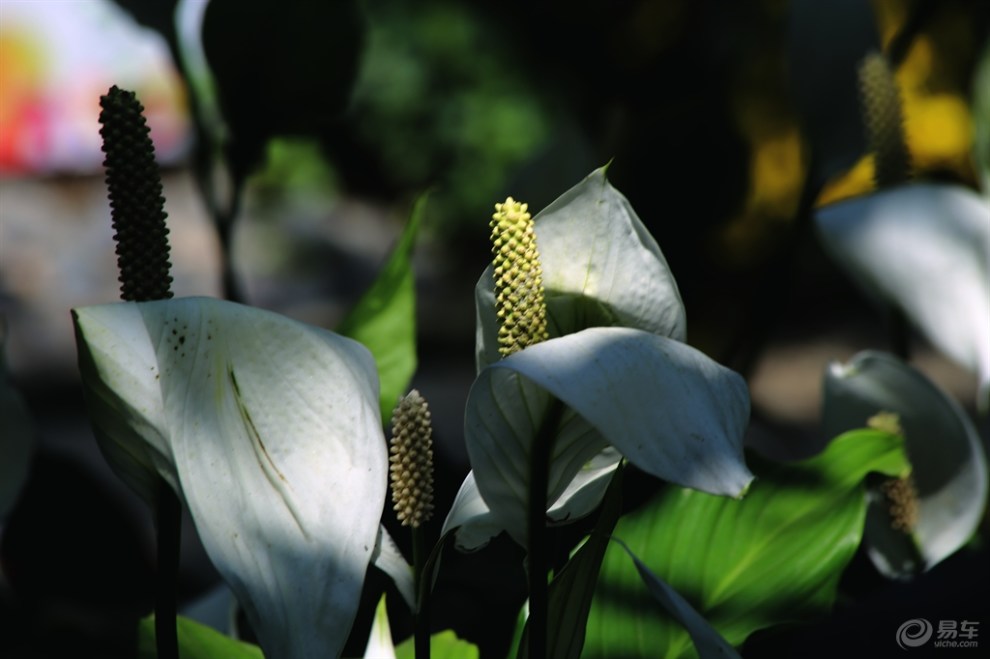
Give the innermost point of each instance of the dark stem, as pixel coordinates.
(536, 537)
(421, 581)
(225, 222)
(169, 523)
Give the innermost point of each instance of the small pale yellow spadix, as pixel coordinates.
(411, 458)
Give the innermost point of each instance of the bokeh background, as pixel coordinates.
(724, 121)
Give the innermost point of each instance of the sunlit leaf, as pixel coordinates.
(774, 556)
(706, 640)
(196, 641)
(443, 645)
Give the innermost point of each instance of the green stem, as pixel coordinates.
(169, 522)
(421, 582)
(536, 539)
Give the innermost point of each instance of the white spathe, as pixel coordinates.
(615, 359)
(665, 406)
(924, 248)
(269, 430)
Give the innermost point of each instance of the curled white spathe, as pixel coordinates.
(924, 248)
(616, 359)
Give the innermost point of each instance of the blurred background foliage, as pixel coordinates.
(713, 113)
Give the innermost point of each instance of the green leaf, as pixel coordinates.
(196, 641)
(707, 641)
(384, 319)
(443, 645)
(773, 557)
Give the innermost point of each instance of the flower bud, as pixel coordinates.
(137, 206)
(411, 460)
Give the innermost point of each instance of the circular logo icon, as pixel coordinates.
(914, 633)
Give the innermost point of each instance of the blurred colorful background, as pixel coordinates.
(293, 138)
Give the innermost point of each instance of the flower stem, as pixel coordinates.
(421, 581)
(134, 187)
(538, 560)
(169, 523)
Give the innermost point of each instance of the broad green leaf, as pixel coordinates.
(665, 406)
(774, 556)
(270, 432)
(600, 267)
(196, 641)
(925, 249)
(443, 645)
(950, 470)
(384, 319)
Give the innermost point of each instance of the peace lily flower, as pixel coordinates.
(911, 525)
(269, 430)
(615, 358)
